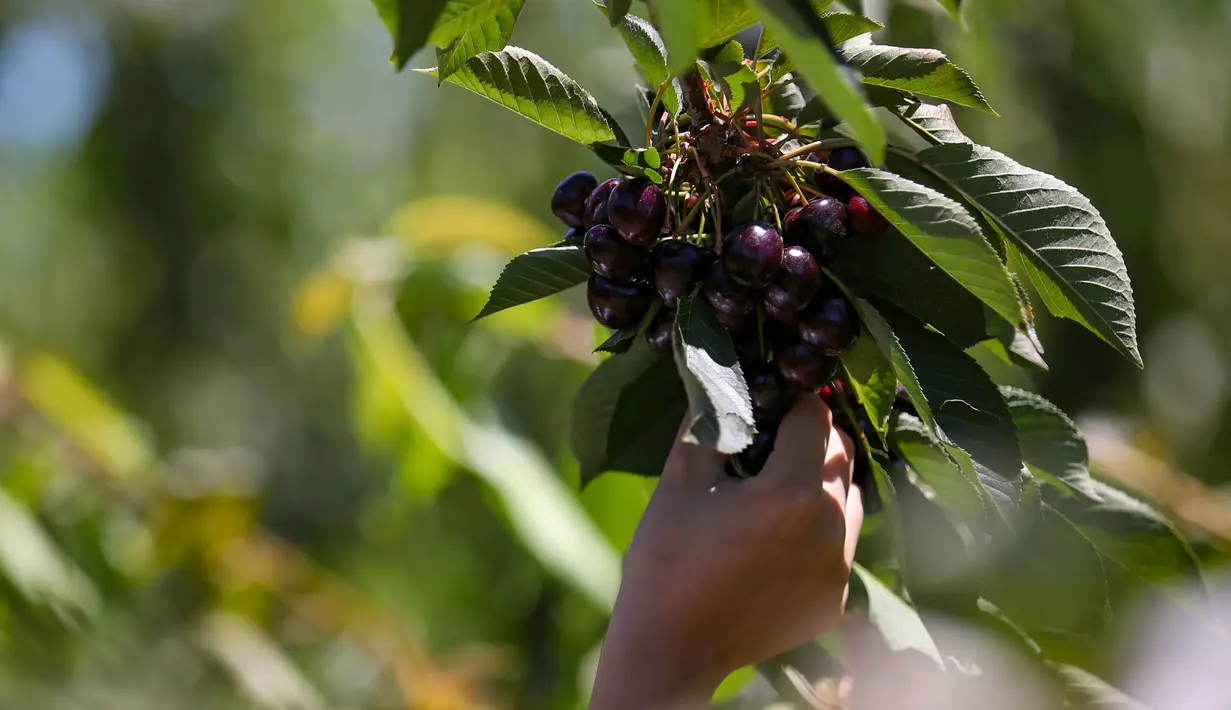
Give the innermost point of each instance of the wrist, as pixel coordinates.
(640, 668)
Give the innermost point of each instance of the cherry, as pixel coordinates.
(612, 257)
(819, 226)
(737, 322)
(805, 366)
(678, 266)
(658, 333)
(839, 159)
(723, 294)
(617, 305)
(785, 316)
(638, 209)
(595, 211)
(830, 392)
(751, 460)
(796, 283)
(574, 237)
(863, 218)
(831, 325)
(771, 397)
(568, 202)
(752, 254)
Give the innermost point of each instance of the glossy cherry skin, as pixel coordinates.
(804, 366)
(658, 333)
(574, 237)
(723, 294)
(863, 219)
(771, 396)
(678, 268)
(819, 227)
(568, 202)
(839, 159)
(752, 254)
(797, 281)
(830, 325)
(612, 257)
(637, 208)
(751, 460)
(595, 211)
(617, 305)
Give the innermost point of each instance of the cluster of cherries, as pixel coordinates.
(789, 324)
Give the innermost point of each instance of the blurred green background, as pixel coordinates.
(251, 453)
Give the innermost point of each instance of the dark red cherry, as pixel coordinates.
(658, 333)
(752, 254)
(723, 294)
(831, 325)
(797, 281)
(771, 397)
(617, 305)
(751, 460)
(612, 257)
(804, 366)
(574, 237)
(568, 202)
(839, 159)
(819, 227)
(637, 208)
(595, 211)
(737, 322)
(678, 267)
(785, 316)
(863, 218)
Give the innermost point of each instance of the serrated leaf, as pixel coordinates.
(491, 35)
(409, 22)
(537, 274)
(844, 26)
(919, 71)
(804, 36)
(680, 24)
(461, 16)
(785, 99)
(1067, 250)
(617, 10)
(871, 376)
(626, 414)
(898, 622)
(889, 267)
(968, 408)
(721, 411)
(619, 341)
(1121, 528)
(941, 229)
(722, 19)
(955, 492)
(650, 54)
(934, 122)
(527, 84)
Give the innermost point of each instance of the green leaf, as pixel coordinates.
(627, 413)
(722, 19)
(898, 622)
(890, 267)
(1065, 245)
(461, 16)
(409, 22)
(617, 10)
(1121, 528)
(957, 493)
(650, 54)
(934, 122)
(868, 371)
(804, 36)
(920, 71)
(491, 35)
(843, 26)
(619, 341)
(720, 409)
(680, 23)
(526, 84)
(955, 10)
(1088, 690)
(942, 230)
(968, 408)
(537, 274)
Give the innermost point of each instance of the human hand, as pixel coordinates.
(724, 572)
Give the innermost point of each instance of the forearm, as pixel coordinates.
(638, 671)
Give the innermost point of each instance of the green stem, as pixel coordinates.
(649, 120)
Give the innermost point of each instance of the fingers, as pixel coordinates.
(836, 473)
(801, 445)
(854, 522)
(690, 465)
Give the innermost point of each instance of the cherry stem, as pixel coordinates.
(649, 121)
(798, 188)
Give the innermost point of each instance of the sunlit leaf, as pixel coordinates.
(680, 23)
(460, 16)
(898, 622)
(490, 35)
(721, 411)
(410, 22)
(919, 71)
(650, 54)
(537, 274)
